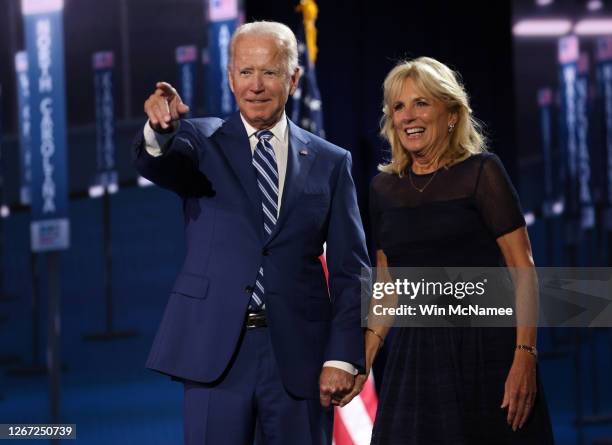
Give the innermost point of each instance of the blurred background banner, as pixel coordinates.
(545, 103)
(603, 158)
(103, 63)
(583, 116)
(25, 127)
(45, 47)
(222, 21)
(568, 66)
(186, 59)
(1, 160)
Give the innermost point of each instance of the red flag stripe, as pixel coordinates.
(341, 434)
(369, 397)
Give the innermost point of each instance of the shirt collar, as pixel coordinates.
(279, 130)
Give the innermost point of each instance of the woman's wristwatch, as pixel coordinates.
(531, 349)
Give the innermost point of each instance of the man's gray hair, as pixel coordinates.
(282, 33)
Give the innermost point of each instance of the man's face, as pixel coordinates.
(259, 80)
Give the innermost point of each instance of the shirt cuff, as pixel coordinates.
(345, 366)
(154, 141)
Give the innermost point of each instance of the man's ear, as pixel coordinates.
(230, 78)
(295, 80)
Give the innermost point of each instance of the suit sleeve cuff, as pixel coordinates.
(341, 365)
(154, 141)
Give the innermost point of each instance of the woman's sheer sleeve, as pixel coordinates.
(374, 216)
(496, 198)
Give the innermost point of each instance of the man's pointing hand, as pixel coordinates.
(164, 106)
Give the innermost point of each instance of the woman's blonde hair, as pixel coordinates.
(437, 80)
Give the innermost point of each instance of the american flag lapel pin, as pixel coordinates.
(303, 152)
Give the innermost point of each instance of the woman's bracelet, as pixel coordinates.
(382, 340)
(531, 349)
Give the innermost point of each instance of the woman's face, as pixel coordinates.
(420, 122)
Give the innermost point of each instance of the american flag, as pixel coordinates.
(545, 97)
(306, 108)
(103, 60)
(604, 48)
(568, 49)
(220, 10)
(353, 423)
(186, 53)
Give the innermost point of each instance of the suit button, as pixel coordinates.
(265, 252)
(249, 289)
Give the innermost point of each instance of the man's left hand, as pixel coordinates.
(334, 384)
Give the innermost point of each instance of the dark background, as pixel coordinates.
(359, 42)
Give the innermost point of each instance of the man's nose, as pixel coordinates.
(257, 84)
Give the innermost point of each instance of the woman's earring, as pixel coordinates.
(451, 127)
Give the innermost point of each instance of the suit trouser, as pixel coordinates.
(249, 401)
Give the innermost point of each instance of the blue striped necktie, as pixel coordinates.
(266, 171)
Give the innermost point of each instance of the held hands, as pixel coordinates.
(520, 390)
(360, 380)
(373, 342)
(163, 107)
(334, 385)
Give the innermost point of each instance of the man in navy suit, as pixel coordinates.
(259, 340)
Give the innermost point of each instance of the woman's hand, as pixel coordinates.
(373, 343)
(360, 380)
(375, 333)
(520, 390)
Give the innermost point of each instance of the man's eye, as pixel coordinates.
(270, 73)
(245, 72)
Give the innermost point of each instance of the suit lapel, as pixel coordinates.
(234, 143)
(300, 158)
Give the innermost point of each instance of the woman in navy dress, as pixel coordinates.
(443, 200)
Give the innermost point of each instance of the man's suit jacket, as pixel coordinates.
(209, 164)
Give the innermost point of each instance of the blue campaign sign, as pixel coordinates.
(568, 61)
(25, 127)
(544, 103)
(587, 210)
(50, 227)
(106, 175)
(604, 58)
(223, 17)
(186, 57)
